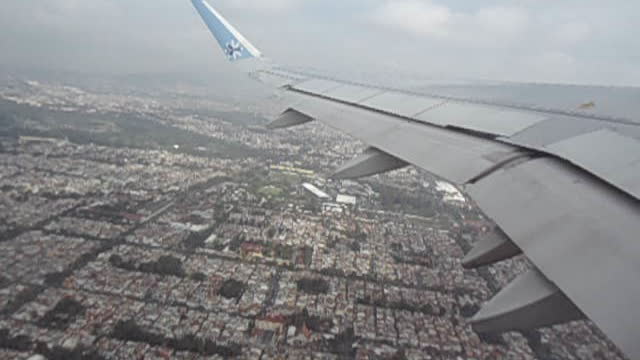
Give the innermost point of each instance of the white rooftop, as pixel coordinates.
(346, 199)
(315, 191)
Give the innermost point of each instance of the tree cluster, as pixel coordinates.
(196, 239)
(232, 289)
(419, 203)
(129, 330)
(427, 309)
(165, 265)
(23, 343)
(313, 286)
(313, 323)
(343, 343)
(63, 314)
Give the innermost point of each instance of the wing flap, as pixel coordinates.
(536, 130)
(579, 231)
(352, 93)
(485, 119)
(454, 156)
(610, 155)
(317, 86)
(552, 130)
(400, 104)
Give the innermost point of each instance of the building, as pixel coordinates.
(450, 193)
(346, 199)
(332, 208)
(315, 191)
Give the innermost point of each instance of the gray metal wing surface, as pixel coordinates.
(563, 186)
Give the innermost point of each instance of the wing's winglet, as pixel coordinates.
(234, 45)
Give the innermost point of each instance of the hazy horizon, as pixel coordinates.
(586, 42)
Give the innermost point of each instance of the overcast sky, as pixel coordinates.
(575, 41)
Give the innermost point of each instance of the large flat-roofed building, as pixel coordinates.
(315, 191)
(346, 199)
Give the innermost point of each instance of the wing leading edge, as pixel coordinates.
(571, 209)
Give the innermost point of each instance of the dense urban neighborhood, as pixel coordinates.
(156, 226)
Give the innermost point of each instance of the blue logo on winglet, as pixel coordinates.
(234, 45)
(233, 49)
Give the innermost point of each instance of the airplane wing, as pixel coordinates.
(563, 186)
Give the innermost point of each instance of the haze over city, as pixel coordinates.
(409, 179)
(583, 42)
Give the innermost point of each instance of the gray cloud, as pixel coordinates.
(574, 41)
(266, 6)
